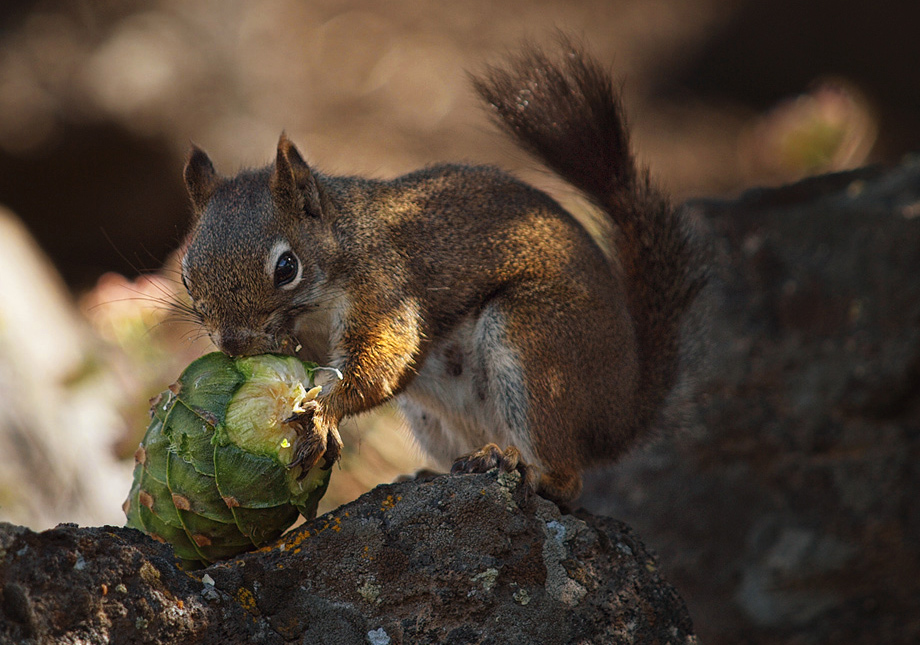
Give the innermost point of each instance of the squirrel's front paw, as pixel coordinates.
(316, 439)
(491, 456)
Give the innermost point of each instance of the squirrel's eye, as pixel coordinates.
(286, 269)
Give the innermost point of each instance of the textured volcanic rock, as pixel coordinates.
(457, 559)
(788, 514)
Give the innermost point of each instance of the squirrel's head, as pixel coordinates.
(254, 261)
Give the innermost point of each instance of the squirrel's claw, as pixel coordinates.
(333, 448)
(308, 451)
(300, 416)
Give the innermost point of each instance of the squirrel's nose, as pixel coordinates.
(238, 342)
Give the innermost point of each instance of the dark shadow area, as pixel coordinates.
(771, 50)
(97, 196)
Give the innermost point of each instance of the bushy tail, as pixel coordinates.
(567, 113)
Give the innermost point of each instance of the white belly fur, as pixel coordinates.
(470, 391)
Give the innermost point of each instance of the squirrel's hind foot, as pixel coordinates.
(557, 486)
(491, 456)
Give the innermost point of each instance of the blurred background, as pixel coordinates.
(99, 101)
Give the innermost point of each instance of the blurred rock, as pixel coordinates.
(458, 559)
(788, 513)
(57, 419)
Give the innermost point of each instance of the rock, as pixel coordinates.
(58, 419)
(787, 512)
(457, 559)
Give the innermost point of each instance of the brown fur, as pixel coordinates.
(475, 300)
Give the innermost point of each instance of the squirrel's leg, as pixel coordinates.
(374, 355)
(528, 395)
(560, 486)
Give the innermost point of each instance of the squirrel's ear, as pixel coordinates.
(292, 183)
(201, 179)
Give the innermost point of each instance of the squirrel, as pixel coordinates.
(478, 303)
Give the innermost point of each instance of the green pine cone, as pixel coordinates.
(213, 475)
